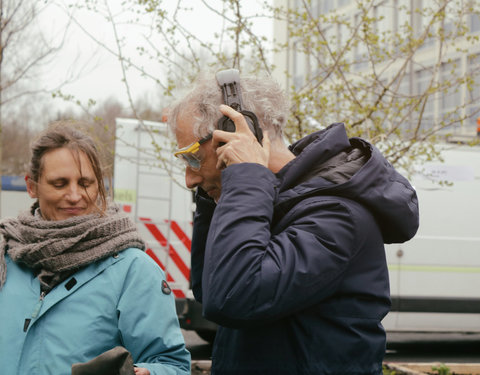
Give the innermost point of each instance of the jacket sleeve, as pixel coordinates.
(251, 275)
(147, 320)
(201, 224)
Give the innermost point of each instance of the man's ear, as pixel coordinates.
(31, 187)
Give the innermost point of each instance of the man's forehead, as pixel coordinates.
(184, 128)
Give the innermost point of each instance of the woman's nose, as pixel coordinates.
(74, 193)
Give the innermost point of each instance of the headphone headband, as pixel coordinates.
(229, 82)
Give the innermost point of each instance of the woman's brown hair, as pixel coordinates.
(70, 135)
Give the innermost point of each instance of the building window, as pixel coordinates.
(423, 79)
(298, 66)
(384, 17)
(360, 57)
(342, 3)
(328, 5)
(473, 94)
(474, 22)
(401, 20)
(451, 96)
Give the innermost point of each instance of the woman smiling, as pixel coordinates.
(74, 280)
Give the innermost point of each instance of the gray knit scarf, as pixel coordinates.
(57, 249)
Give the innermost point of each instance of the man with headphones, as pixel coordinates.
(287, 247)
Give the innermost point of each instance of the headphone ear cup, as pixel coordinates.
(227, 125)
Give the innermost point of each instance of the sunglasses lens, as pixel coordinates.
(189, 155)
(190, 160)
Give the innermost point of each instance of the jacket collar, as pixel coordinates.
(71, 284)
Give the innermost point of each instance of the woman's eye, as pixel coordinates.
(85, 183)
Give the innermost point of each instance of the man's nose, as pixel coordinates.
(192, 178)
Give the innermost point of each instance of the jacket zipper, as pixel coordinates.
(35, 312)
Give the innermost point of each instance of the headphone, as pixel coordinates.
(229, 82)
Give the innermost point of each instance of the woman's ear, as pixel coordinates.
(31, 187)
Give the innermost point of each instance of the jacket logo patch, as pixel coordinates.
(71, 283)
(166, 288)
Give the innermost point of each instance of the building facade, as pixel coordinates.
(441, 70)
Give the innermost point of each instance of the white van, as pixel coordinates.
(435, 277)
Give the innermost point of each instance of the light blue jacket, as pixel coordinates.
(117, 301)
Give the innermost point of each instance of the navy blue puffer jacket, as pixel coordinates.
(292, 265)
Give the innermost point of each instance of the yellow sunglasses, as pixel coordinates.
(189, 155)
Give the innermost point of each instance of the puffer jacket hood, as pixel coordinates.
(363, 175)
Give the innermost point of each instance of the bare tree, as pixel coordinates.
(99, 122)
(24, 51)
(167, 52)
(154, 39)
(357, 67)
(16, 138)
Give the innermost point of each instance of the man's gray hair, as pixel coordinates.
(261, 95)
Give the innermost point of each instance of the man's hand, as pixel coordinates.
(141, 371)
(240, 146)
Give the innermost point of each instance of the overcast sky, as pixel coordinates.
(99, 71)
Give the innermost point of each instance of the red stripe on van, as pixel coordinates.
(180, 234)
(153, 229)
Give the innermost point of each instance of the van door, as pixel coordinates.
(436, 275)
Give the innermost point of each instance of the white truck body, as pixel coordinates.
(435, 277)
(148, 184)
(14, 196)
